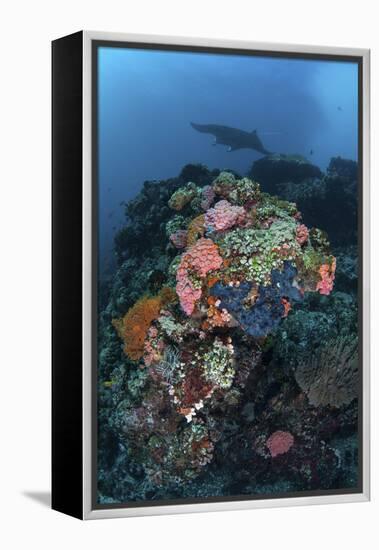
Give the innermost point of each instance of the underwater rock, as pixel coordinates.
(278, 168)
(327, 201)
(148, 213)
(347, 273)
(343, 168)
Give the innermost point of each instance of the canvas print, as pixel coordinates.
(227, 360)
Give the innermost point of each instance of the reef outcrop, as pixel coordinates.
(222, 336)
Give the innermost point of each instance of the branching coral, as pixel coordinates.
(330, 375)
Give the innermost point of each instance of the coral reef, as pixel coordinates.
(330, 375)
(228, 358)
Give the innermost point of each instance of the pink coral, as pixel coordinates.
(302, 234)
(207, 196)
(179, 238)
(187, 293)
(327, 273)
(199, 259)
(279, 443)
(153, 347)
(224, 215)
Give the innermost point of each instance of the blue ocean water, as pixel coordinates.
(148, 98)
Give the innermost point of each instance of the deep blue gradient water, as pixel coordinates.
(147, 100)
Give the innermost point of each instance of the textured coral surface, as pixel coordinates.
(228, 351)
(279, 443)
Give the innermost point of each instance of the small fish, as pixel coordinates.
(311, 152)
(339, 108)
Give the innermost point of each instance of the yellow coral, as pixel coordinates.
(196, 229)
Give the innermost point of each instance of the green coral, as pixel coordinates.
(183, 196)
(256, 252)
(271, 206)
(171, 327)
(218, 365)
(175, 224)
(245, 190)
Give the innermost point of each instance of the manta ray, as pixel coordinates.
(233, 137)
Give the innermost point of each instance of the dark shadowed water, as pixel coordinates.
(147, 100)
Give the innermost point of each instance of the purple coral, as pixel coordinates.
(179, 238)
(224, 216)
(207, 197)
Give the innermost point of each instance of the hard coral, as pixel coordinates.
(302, 234)
(207, 197)
(224, 216)
(196, 230)
(200, 259)
(179, 238)
(183, 196)
(279, 443)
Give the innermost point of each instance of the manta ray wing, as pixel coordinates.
(232, 137)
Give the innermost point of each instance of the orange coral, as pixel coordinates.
(133, 327)
(287, 306)
(212, 281)
(196, 229)
(215, 316)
